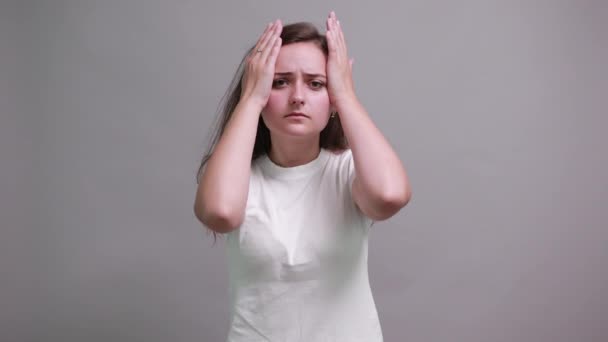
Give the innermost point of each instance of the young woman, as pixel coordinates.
(295, 177)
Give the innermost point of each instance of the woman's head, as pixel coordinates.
(298, 106)
(303, 53)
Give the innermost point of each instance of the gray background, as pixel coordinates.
(497, 108)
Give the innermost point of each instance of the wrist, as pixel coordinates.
(251, 104)
(344, 101)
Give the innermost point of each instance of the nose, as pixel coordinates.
(297, 94)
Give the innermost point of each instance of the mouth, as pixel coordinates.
(297, 115)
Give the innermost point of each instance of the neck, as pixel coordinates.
(289, 152)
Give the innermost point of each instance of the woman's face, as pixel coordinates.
(299, 87)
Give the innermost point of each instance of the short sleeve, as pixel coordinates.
(349, 164)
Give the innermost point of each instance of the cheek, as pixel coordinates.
(275, 102)
(322, 102)
(272, 110)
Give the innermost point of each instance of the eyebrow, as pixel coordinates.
(307, 74)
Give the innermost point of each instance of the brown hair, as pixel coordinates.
(331, 137)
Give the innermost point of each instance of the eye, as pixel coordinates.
(317, 84)
(278, 83)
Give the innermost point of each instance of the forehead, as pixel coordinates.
(306, 57)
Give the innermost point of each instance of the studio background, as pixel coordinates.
(497, 109)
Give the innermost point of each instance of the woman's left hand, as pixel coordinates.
(339, 67)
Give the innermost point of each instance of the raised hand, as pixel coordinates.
(339, 66)
(259, 68)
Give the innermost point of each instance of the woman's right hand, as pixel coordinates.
(259, 65)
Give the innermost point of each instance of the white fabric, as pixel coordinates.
(298, 263)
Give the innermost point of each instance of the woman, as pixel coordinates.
(297, 175)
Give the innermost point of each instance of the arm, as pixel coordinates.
(221, 196)
(380, 188)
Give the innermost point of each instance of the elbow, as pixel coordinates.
(221, 221)
(398, 199)
(390, 203)
(395, 196)
(381, 205)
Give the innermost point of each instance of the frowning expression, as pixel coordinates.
(299, 103)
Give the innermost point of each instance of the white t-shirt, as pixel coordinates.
(298, 263)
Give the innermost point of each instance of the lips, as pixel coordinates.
(296, 114)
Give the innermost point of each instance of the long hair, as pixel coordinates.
(331, 137)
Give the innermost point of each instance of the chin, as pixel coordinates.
(297, 131)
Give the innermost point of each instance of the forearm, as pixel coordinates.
(380, 172)
(222, 191)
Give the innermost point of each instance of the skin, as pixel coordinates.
(379, 192)
(381, 187)
(299, 86)
(221, 196)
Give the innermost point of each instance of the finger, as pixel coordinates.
(332, 19)
(328, 32)
(261, 38)
(334, 36)
(338, 30)
(331, 44)
(340, 38)
(330, 22)
(333, 28)
(276, 35)
(336, 22)
(264, 40)
(336, 39)
(274, 52)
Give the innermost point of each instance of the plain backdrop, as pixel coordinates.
(498, 110)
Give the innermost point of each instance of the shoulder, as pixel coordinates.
(344, 164)
(345, 171)
(342, 157)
